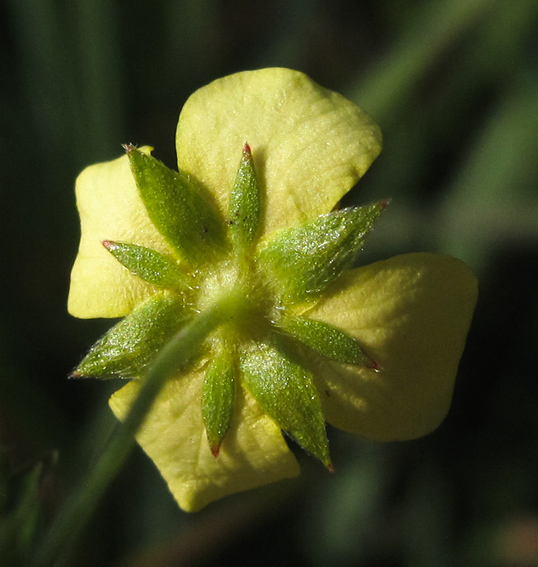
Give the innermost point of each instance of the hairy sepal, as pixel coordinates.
(284, 388)
(304, 260)
(326, 340)
(218, 396)
(128, 348)
(187, 221)
(245, 205)
(148, 264)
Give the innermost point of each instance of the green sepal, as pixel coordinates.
(304, 260)
(326, 340)
(218, 396)
(128, 348)
(245, 205)
(176, 207)
(150, 265)
(284, 388)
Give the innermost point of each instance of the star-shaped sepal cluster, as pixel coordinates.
(268, 341)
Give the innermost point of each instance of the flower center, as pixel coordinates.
(250, 303)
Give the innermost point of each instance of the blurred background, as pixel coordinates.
(454, 86)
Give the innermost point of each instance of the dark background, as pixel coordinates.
(454, 86)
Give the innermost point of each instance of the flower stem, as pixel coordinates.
(58, 544)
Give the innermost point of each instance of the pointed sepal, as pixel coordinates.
(327, 340)
(218, 396)
(284, 388)
(129, 347)
(150, 265)
(306, 259)
(187, 221)
(245, 205)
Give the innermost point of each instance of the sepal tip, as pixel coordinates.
(384, 203)
(215, 450)
(129, 148)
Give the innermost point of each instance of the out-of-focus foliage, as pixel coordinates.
(454, 86)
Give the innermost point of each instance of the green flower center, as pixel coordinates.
(252, 304)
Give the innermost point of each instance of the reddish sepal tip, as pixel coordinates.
(384, 204)
(246, 149)
(75, 374)
(109, 245)
(373, 365)
(215, 450)
(330, 467)
(129, 148)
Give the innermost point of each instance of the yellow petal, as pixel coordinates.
(110, 208)
(411, 314)
(252, 453)
(310, 145)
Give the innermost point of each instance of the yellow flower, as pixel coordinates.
(307, 339)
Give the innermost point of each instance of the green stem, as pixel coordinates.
(78, 510)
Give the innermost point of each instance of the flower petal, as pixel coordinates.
(310, 145)
(411, 313)
(252, 453)
(110, 208)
